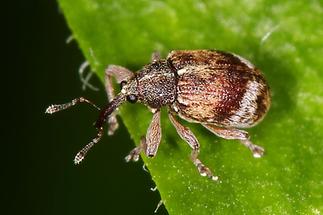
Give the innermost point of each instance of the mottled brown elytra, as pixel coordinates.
(220, 90)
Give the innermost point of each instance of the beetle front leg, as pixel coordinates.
(235, 134)
(134, 154)
(153, 136)
(187, 135)
(150, 143)
(120, 74)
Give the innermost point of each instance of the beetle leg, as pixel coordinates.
(150, 143)
(153, 135)
(120, 74)
(134, 154)
(187, 135)
(235, 134)
(155, 56)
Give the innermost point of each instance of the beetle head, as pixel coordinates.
(154, 85)
(129, 89)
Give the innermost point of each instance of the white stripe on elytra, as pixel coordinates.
(182, 71)
(248, 104)
(245, 61)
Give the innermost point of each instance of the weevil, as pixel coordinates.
(219, 90)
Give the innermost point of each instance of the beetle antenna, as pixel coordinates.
(104, 114)
(55, 108)
(81, 154)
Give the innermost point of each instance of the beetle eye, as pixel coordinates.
(132, 98)
(122, 84)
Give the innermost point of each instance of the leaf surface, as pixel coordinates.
(283, 39)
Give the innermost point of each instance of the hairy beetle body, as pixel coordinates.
(156, 84)
(219, 90)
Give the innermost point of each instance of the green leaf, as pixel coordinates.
(283, 38)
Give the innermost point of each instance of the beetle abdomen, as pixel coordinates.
(226, 94)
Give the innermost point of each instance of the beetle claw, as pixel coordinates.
(134, 154)
(257, 151)
(204, 170)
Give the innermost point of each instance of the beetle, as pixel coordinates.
(222, 91)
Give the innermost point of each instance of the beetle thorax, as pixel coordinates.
(156, 84)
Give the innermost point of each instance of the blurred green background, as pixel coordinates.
(40, 177)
